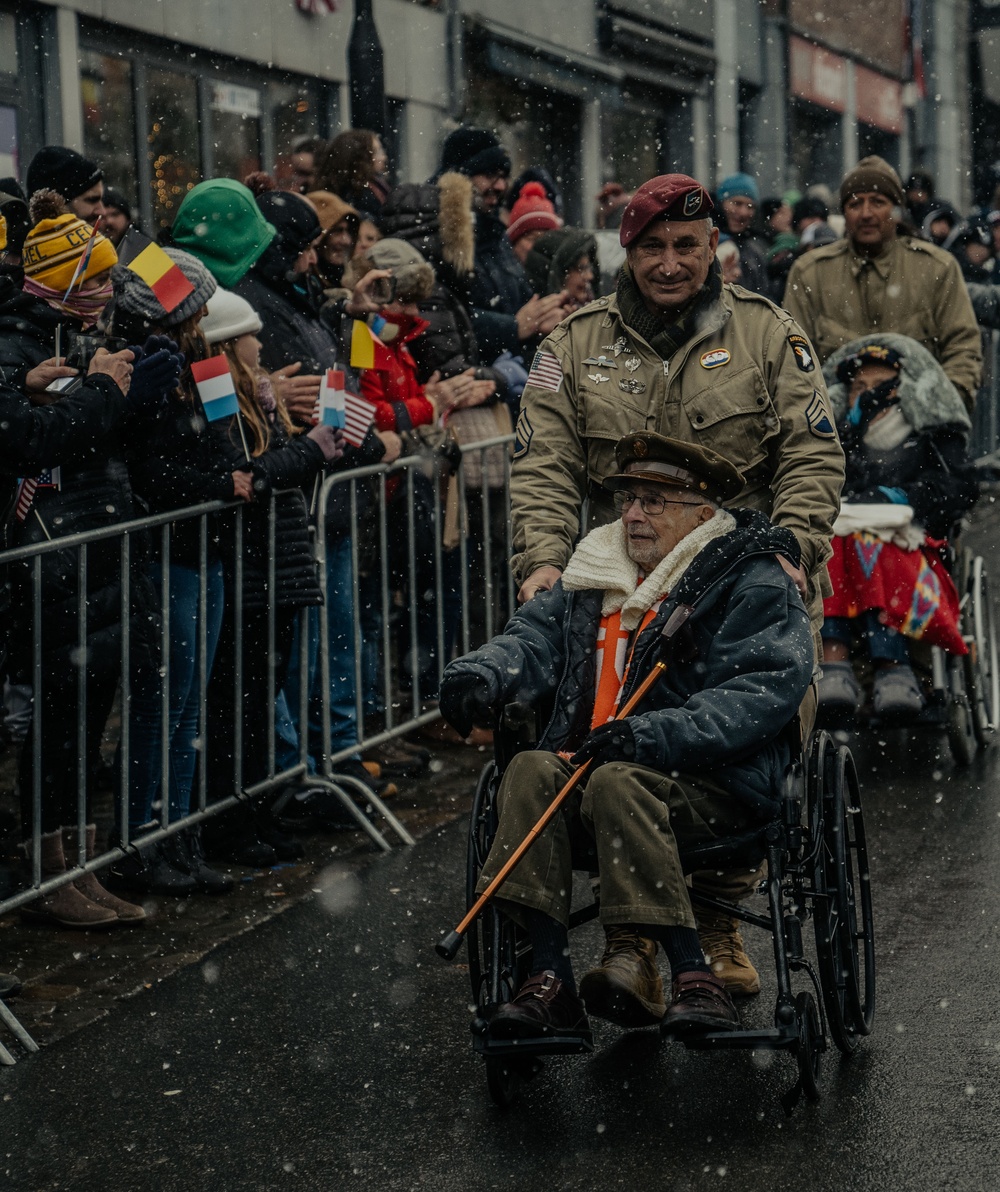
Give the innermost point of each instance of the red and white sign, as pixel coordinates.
(817, 74)
(879, 100)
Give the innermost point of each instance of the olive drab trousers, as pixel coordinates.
(634, 817)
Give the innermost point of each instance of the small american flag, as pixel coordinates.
(25, 496)
(358, 416)
(546, 372)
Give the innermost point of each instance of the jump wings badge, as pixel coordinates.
(597, 377)
(619, 346)
(631, 385)
(600, 362)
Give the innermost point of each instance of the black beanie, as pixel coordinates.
(474, 151)
(15, 211)
(63, 170)
(113, 197)
(294, 218)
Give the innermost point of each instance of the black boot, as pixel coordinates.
(157, 869)
(233, 836)
(272, 832)
(10, 986)
(209, 880)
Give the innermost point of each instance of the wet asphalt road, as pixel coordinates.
(330, 1048)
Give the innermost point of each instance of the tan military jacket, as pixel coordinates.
(912, 288)
(746, 385)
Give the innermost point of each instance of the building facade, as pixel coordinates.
(164, 94)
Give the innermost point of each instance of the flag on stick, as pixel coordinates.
(215, 387)
(358, 417)
(84, 261)
(25, 496)
(367, 351)
(332, 398)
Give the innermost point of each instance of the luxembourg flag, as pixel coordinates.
(215, 387)
(333, 399)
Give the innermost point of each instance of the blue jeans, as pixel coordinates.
(339, 611)
(184, 698)
(884, 644)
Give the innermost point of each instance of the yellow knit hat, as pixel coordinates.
(3, 233)
(53, 248)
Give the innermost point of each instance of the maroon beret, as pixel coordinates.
(670, 196)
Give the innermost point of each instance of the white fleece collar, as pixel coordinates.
(601, 561)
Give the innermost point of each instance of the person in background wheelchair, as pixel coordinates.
(701, 758)
(904, 429)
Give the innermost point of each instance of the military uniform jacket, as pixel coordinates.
(911, 288)
(746, 385)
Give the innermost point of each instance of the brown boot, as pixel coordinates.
(88, 885)
(626, 988)
(723, 947)
(66, 906)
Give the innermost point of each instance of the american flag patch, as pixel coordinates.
(546, 372)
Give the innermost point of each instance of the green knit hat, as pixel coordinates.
(220, 223)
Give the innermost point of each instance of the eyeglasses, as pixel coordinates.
(654, 505)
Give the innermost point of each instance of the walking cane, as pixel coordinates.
(447, 948)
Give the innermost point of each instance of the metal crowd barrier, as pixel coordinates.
(392, 542)
(985, 438)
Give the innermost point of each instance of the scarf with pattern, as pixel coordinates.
(664, 335)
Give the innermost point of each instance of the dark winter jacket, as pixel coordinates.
(95, 492)
(736, 676)
(289, 465)
(174, 462)
(293, 331)
(500, 287)
(931, 465)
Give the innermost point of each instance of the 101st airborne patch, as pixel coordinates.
(803, 352)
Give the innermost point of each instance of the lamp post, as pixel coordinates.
(366, 71)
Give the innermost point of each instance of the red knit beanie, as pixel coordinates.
(533, 212)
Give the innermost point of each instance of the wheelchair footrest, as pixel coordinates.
(512, 1048)
(771, 1039)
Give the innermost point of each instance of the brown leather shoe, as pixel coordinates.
(699, 1004)
(543, 1008)
(626, 988)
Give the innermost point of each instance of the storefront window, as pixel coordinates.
(817, 145)
(8, 43)
(109, 118)
(172, 136)
(632, 147)
(236, 116)
(8, 142)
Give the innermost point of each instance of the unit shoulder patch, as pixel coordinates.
(803, 352)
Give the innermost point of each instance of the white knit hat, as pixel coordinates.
(229, 316)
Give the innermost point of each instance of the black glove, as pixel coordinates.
(612, 742)
(155, 373)
(467, 700)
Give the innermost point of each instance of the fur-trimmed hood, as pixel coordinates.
(926, 397)
(436, 218)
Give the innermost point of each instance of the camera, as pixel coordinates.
(384, 290)
(81, 348)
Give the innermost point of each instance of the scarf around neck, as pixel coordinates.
(664, 335)
(85, 305)
(601, 561)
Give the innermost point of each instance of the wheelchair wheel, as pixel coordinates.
(498, 955)
(809, 1049)
(981, 669)
(961, 724)
(843, 919)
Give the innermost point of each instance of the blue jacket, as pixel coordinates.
(736, 674)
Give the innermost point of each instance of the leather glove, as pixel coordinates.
(467, 700)
(612, 742)
(330, 441)
(156, 372)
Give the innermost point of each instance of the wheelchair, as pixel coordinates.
(817, 868)
(962, 692)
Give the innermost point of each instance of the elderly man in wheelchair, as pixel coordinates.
(701, 757)
(904, 429)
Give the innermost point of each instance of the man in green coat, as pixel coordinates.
(875, 280)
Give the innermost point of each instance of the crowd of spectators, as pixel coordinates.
(459, 278)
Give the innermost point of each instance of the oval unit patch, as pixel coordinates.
(714, 359)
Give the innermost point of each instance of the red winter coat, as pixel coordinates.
(397, 380)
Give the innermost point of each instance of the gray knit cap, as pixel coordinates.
(135, 297)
